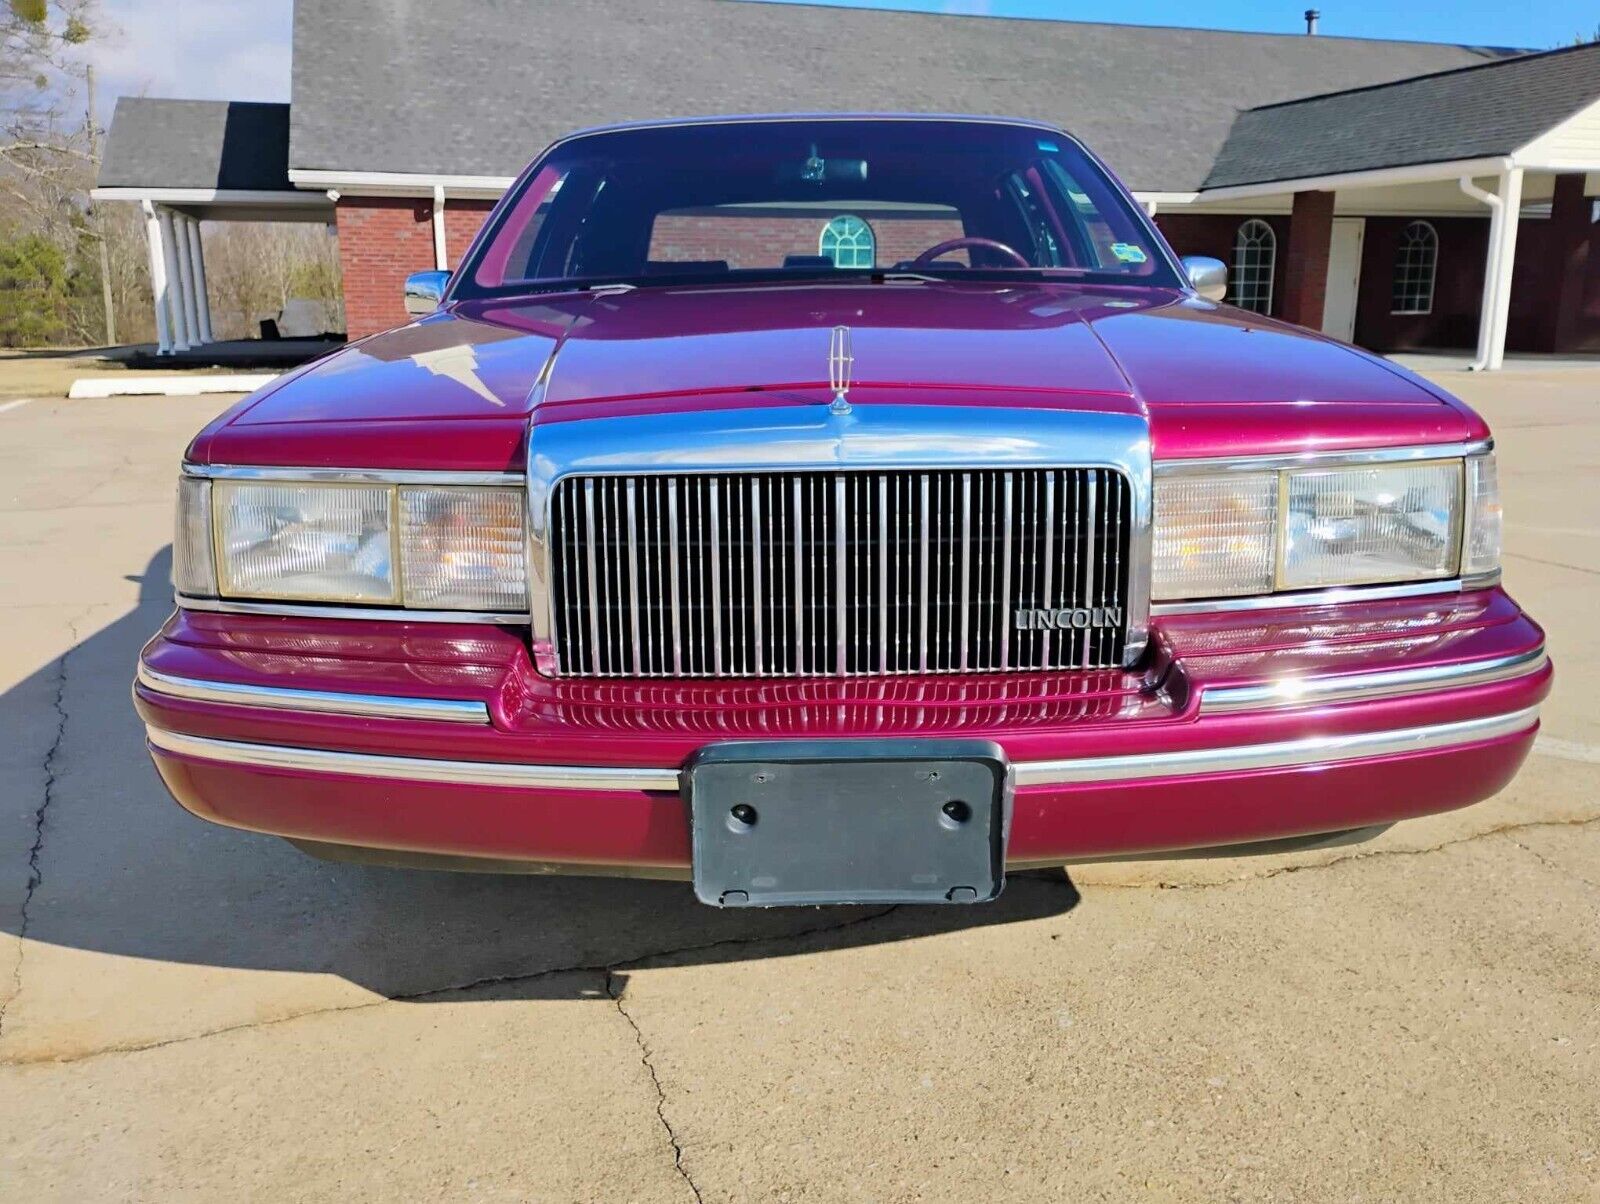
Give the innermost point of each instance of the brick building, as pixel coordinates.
(1400, 194)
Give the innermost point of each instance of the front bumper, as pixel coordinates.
(1246, 727)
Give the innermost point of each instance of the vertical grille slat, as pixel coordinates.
(833, 574)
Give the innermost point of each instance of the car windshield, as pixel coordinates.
(807, 199)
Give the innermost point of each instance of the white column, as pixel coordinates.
(158, 278)
(1505, 205)
(191, 310)
(169, 253)
(441, 258)
(197, 269)
(1504, 263)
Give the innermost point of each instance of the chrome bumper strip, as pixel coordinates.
(1286, 754)
(449, 710)
(1316, 750)
(1384, 683)
(1333, 596)
(312, 610)
(414, 769)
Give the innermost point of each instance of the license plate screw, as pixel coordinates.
(744, 814)
(956, 813)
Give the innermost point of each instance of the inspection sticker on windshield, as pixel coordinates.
(1126, 252)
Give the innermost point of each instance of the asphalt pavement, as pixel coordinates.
(192, 1013)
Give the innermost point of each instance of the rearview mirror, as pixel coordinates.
(1207, 276)
(424, 291)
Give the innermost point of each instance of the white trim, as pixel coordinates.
(1166, 200)
(206, 196)
(1568, 146)
(397, 183)
(202, 298)
(131, 384)
(441, 255)
(1337, 322)
(191, 307)
(1420, 173)
(159, 285)
(1504, 214)
(174, 291)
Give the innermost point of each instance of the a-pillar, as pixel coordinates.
(197, 271)
(160, 284)
(1305, 285)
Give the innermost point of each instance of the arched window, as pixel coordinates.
(848, 241)
(1255, 255)
(1416, 262)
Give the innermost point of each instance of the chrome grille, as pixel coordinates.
(835, 573)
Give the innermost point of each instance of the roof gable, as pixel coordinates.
(480, 86)
(1473, 113)
(220, 144)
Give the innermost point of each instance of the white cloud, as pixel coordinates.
(194, 49)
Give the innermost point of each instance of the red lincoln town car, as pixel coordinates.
(835, 509)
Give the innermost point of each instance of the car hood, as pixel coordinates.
(457, 389)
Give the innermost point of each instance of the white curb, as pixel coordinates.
(168, 386)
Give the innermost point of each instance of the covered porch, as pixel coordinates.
(1454, 211)
(187, 162)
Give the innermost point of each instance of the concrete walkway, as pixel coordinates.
(191, 1013)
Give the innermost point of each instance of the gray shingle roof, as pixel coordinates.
(478, 87)
(1477, 112)
(197, 144)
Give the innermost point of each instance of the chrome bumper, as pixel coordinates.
(1321, 750)
(1269, 697)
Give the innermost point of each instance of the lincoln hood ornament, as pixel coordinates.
(839, 361)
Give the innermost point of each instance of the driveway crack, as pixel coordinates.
(614, 988)
(476, 984)
(1551, 865)
(46, 797)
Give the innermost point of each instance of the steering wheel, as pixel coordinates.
(956, 244)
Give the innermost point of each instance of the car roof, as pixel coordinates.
(773, 118)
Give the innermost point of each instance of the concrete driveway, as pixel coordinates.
(193, 1013)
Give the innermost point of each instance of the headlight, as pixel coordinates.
(1232, 533)
(427, 547)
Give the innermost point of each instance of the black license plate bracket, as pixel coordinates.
(810, 822)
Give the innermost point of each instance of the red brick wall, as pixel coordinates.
(1213, 234)
(461, 222)
(1306, 271)
(1457, 286)
(382, 240)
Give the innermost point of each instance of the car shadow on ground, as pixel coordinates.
(121, 869)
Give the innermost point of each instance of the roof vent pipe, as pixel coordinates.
(1312, 17)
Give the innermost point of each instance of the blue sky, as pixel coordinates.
(239, 49)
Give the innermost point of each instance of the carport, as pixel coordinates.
(1515, 140)
(190, 161)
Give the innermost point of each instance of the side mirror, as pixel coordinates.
(1207, 276)
(424, 291)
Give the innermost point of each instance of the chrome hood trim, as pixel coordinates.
(810, 437)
